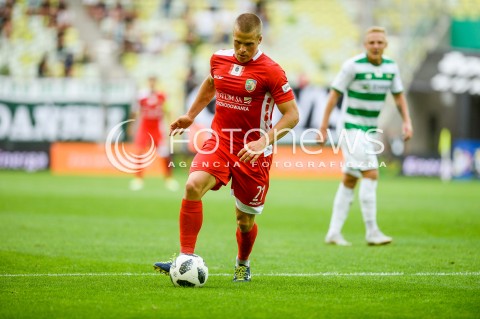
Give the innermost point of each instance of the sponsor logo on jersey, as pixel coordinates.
(250, 85)
(286, 88)
(233, 98)
(236, 69)
(218, 77)
(232, 101)
(382, 87)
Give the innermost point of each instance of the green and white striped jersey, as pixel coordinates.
(364, 87)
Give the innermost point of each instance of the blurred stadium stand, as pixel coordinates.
(173, 40)
(150, 34)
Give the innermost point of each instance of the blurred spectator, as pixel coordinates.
(6, 10)
(224, 25)
(90, 6)
(157, 43)
(262, 12)
(61, 41)
(44, 9)
(6, 27)
(132, 40)
(117, 23)
(86, 56)
(191, 82)
(68, 65)
(192, 40)
(43, 68)
(166, 7)
(205, 23)
(63, 16)
(98, 11)
(56, 15)
(113, 26)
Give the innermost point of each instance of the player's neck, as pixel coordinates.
(374, 61)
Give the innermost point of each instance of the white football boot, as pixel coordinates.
(337, 239)
(376, 238)
(136, 184)
(171, 184)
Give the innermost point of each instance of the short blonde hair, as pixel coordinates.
(249, 22)
(376, 29)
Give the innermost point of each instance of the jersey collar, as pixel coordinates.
(256, 56)
(366, 57)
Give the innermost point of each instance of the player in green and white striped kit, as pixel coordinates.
(364, 81)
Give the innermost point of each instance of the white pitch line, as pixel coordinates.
(93, 274)
(320, 274)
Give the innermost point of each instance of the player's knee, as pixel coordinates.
(244, 227)
(350, 184)
(193, 189)
(349, 181)
(245, 223)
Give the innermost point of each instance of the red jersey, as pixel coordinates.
(151, 117)
(152, 110)
(245, 95)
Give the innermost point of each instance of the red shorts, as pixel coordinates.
(249, 181)
(143, 140)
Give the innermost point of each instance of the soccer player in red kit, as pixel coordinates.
(152, 109)
(247, 84)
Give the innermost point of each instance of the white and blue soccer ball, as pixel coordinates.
(189, 271)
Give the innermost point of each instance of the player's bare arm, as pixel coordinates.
(401, 102)
(290, 116)
(331, 103)
(204, 96)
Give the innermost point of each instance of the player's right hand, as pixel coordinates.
(180, 124)
(322, 136)
(407, 130)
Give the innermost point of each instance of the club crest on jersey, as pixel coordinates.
(236, 70)
(250, 85)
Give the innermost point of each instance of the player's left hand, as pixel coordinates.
(180, 124)
(407, 131)
(252, 151)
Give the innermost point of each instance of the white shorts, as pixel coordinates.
(359, 151)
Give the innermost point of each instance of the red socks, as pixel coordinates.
(191, 218)
(245, 242)
(139, 173)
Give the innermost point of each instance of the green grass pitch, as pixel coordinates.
(83, 247)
